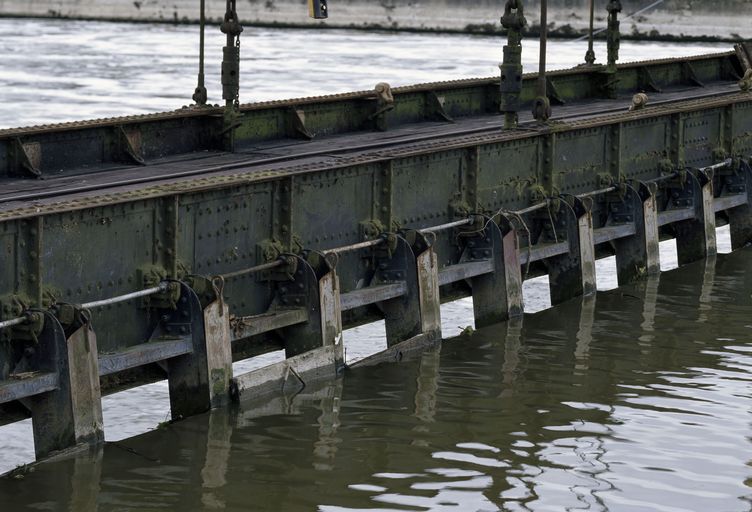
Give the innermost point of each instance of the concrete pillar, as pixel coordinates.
(573, 274)
(696, 238)
(218, 352)
(497, 296)
(402, 315)
(72, 414)
(190, 376)
(331, 316)
(740, 218)
(639, 255)
(315, 287)
(429, 296)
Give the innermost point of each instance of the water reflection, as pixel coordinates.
(636, 399)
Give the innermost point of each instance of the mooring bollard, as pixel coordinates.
(573, 274)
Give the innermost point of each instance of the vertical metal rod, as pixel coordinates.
(200, 96)
(39, 245)
(590, 54)
(542, 106)
(543, 43)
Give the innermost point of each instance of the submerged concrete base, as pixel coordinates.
(672, 19)
(288, 376)
(398, 352)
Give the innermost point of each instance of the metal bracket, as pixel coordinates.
(435, 108)
(268, 250)
(371, 229)
(690, 75)
(130, 144)
(297, 124)
(14, 306)
(553, 93)
(646, 82)
(150, 276)
(744, 54)
(27, 158)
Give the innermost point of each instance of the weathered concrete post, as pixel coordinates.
(331, 316)
(72, 414)
(696, 238)
(638, 255)
(573, 274)
(740, 218)
(190, 376)
(218, 349)
(427, 266)
(414, 313)
(314, 347)
(315, 287)
(497, 296)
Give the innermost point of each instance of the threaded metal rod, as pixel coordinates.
(162, 287)
(12, 323)
(253, 270)
(356, 247)
(450, 225)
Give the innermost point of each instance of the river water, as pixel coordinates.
(638, 400)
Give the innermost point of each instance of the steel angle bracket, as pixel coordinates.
(26, 158)
(429, 292)
(493, 243)
(129, 142)
(573, 274)
(71, 412)
(637, 254)
(313, 288)
(695, 236)
(190, 381)
(396, 263)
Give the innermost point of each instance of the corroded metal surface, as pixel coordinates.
(337, 211)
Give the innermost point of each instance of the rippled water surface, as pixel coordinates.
(637, 399)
